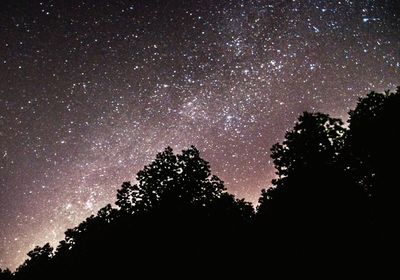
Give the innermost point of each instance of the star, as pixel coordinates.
(89, 93)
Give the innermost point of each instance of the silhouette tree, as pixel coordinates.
(372, 150)
(313, 209)
(127, 197)
(315, 139)
(179, 218)
(38, 263)
(184, 179)
(178, 193)
(5, 274)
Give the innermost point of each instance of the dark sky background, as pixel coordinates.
(90, 91)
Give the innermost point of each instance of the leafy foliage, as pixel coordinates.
(315, 138)
(372, 155)
(335, 195)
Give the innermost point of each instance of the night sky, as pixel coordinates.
(90, 91)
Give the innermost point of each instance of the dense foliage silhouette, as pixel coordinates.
(334, 198)
(5, 274)
(314, 210)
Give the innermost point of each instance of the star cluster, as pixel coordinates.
(91, 90)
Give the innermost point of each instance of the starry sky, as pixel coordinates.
(91, 90)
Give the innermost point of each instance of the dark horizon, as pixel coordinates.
(90, 91)
(333, 207)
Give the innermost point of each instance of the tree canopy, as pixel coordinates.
(183, 179)
(335, 196)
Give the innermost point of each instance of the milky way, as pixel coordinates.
(90, 91)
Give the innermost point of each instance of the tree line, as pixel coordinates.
(334, 203)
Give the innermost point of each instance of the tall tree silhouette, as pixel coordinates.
(178, 192)
(372, 153)
(313, 208)
(177, 217)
